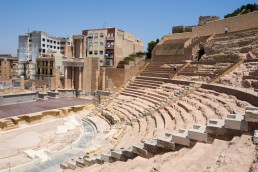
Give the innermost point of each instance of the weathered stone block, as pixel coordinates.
(139, 150)
(166, 143)
(255, 138)
(71, 164)
(216, 127)
(128, 152)
(118, 154)
(236, 122)
(251, 115)
(151, 146)
(106, 157)
(181, 137)
(198, 133)
(80, 162)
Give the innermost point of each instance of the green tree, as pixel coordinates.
(243, 10)
(151, 46)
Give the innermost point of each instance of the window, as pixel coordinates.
(51, 72)
(51, 63)
(50, 46)
(90, 52)
(61, 48)
(58, 48)
(43, 39)
(68, 43)
(101, 35)
(101, 52)
(95, 52)
(43, 51)
(47, 40)
(58, 43)
(101, 43)
(54, 47)
(51, 41)
(54, 42)
(95, 43)
(43, 45)
(46, 63)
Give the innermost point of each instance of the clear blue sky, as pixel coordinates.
(147, 19)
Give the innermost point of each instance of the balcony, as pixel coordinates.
(108, 56)
(109, 46)
(109, 38)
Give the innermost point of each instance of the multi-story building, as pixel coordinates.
(111, 45)
(8, 67)
(8, 70)
(46, 66)
(40, 44)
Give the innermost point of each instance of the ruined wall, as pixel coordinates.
(205, 19)
(90, 72)
(243, 22)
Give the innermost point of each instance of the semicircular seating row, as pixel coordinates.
(149, 113)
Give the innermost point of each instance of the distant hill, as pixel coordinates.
(244, 9)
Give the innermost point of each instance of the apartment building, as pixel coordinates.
(8, 67)
(111, 45)
(40, 44)
(46, 66)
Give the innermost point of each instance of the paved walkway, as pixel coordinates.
(39, 105)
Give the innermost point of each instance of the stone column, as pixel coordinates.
(22, 84)
(80, 78)
(97, 81)
(65, 77)
(44, 89)
(72, 78)
(33, 87)
(103, 79)
(57, 77)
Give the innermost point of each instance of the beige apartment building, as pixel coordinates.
(8, 67)
(111, 45)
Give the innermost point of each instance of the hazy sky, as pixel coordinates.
(147, 19)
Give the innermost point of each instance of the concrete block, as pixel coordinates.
(198, 133)
(106, 157)
(251, 114)
(128, 152)
(151, 146)
(71, 164)
(80, 162)
(216, 127)
(139, 150)
(64, 166)
(118, 154)
(255, 138)
(236, 122)
(181, 137)
(166, 143)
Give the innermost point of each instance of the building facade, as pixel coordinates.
(40, 44)
(8, 67)
(111, 45)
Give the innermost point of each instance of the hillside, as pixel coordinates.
(244, 9)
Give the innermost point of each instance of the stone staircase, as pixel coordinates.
(187, 63)
(228, 70)
(10, 124)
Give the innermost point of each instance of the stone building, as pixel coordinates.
(46, 66)
(204, 19)
(8, 70)
(8, 67)
(110, 45)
